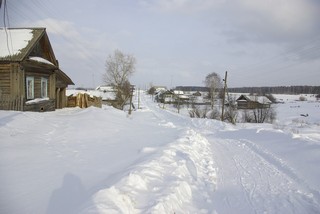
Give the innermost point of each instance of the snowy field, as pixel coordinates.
(157, 161)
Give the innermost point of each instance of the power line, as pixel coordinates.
(36, 8)
(5, 16)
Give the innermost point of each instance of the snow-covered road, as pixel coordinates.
(251, 182)
(155, 161)
(251, 179)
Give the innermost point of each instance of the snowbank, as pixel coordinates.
(156, 161)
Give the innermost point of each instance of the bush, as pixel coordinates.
(213, 114)
(259, 115)
(302, 98)
(152, 90)
(197, 112)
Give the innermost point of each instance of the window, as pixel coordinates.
(30, 87)
(44, 87)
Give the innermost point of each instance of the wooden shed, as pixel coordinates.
(30, 77)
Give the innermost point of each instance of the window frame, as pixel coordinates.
(30, 87)
(44, 92)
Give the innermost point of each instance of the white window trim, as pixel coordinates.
(45, 94)
(30, 95)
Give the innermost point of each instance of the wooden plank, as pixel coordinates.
(8, 102)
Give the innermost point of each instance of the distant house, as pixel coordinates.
(180, 96)
(197, 94)
(166, 96)
(252, 102)
(107, 93)
(30, 77)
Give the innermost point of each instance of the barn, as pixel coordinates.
(30, 77)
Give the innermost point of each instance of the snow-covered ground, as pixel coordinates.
(156, 161)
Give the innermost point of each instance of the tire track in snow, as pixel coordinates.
(283, 167)
(176, 179)
(248, 183)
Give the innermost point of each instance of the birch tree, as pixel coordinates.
(119, 67)
(214, 83)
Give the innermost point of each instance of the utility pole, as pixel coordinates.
(131, 95)
(178, 103)
(138, 98)
(224, 95)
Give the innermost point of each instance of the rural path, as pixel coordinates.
(250, 181)
(156, 161)
(243, 178)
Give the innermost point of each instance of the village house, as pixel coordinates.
(107, 93)
(253, 102)
(180, 96)
(164, 96)
(30, 77)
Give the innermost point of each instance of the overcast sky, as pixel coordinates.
(179, 42)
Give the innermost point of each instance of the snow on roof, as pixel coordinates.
(40, 59)
(105, 88)
(160, 90)
(178, 92)
(183, 97)
(260, 99)
(13, 41)
(105, 95)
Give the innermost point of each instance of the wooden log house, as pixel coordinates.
(253, 102)
(30, 77)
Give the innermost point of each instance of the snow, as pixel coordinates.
(259, 99)
(17, 40)
(40, 59)
(104, 94)
(156, 161)
(37, 100)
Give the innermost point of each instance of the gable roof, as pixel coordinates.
(258, 99)
(19, 44)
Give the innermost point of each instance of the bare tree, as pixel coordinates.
(119, 67)
(260, 115)
(214, 83)
(231, 113)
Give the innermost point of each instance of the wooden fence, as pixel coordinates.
(11, 103)
(84, 101)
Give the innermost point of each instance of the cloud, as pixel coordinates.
(250, 20)
(275, 20)
(182, 6)
(58, 27)
(83, 42)
(81, 51)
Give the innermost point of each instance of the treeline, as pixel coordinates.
(192, 88)
(278, 90)
(261, 90)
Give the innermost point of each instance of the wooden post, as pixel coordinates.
(58, 104)
(52, 87)
(131, 94)
(224, 95)
(138, 98)
(178, 103)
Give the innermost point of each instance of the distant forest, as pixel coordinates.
(278, 90)
(262, 90)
